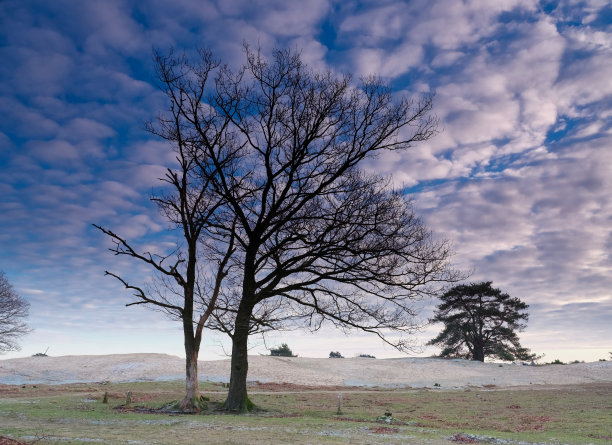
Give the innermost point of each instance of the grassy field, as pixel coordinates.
(75, 414)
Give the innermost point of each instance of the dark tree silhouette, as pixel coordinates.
(13, 310)
(190, 276)
(317, 239)
(481, 321)
(282, 351)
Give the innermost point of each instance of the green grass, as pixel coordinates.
(75, 414)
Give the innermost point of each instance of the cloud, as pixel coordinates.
(518, 178)
(19, 120)
(373, 61)
(547, 224)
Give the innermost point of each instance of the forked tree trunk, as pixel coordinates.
(237, 398)
(193, 401)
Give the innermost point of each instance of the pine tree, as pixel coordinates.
(282, 351)
(481, 321)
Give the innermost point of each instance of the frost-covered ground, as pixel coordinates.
(398, 372)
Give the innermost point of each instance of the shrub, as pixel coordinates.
(366, 356)
(42, 354)
(556, 362)
(282, 351)
(335, 355)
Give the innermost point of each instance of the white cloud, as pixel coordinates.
(81, 128)
(520, 174)
(111, 28)
(387, 65)
(446, 59)
(544, 232)
(288, 18)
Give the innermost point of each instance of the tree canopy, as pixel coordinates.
(13, 311)
(481, 321)
(189, 275)
(317, 239)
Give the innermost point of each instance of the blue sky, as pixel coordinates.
(519, 178)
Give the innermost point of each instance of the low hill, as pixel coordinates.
(397, 372)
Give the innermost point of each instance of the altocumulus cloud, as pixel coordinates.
(519, 178)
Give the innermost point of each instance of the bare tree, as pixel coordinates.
(13, 310)
(317, 239)
(190, 276)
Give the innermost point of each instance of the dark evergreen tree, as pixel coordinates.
(481, 321)
(282, 351)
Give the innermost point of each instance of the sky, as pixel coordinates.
(519, 178)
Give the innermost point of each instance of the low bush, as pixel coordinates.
(282, 351)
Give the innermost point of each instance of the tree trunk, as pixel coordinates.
(237, 398)
(192, 393)
(192, 402)
(478, 353)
